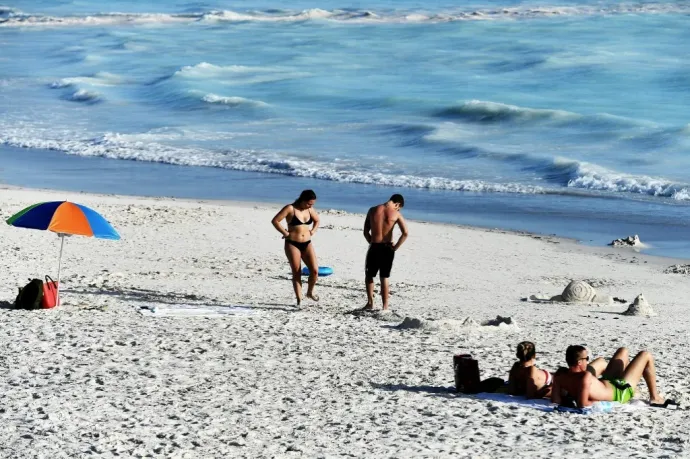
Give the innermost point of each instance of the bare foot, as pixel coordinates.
(313, 297)
(385, 307)
(368, 307)
(658, 399)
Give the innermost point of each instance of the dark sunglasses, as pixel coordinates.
(584, 358)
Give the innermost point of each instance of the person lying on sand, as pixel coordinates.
(525, 378)
(617, 382)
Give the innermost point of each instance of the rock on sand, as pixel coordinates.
(630, 241)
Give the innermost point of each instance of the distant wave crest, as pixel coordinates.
(489, 112)
(236, 74)
(85, 96)
(10, 17)
(99, 79)
(233, 101)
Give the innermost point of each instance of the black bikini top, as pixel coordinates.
(296, 221)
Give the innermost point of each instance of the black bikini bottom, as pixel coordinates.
(302, 246)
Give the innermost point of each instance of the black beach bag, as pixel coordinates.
(30, 296)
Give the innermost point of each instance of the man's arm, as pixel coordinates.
(403, 229)
(583, 394)
(367, 228)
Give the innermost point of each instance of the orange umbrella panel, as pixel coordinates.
(69, 219)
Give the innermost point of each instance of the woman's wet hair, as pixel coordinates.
(306, 195)
(525, 351)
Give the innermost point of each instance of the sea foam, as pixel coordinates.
(115, 146)
(15, 18)
(577, 175)
(232, 101)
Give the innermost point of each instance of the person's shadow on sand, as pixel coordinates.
(134, 294)
(6, 305)
(443, 391)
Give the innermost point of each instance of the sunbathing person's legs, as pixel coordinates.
(642, 366)
(619, 362)
(598, 365)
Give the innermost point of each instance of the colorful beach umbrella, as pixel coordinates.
(64, 218)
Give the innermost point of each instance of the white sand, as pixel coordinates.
(94, 377)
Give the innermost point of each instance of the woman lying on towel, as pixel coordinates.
(525, 378)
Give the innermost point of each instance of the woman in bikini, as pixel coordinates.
(299, 215)
(525, 378)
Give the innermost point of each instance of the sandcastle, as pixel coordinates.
(640, 307)
(577, 291)
(413, 323)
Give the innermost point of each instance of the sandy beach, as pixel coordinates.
(95, 378)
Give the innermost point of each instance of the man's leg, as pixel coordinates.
(599, 365)
(619, 362)
(369, 281)
(642, 366)
(387, 255)
(371, 267)
(385, 294)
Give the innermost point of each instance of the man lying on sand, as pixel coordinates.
(617, 382)
(525, 378)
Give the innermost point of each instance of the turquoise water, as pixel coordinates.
(566, 117)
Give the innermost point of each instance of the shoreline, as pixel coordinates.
(602, 250)
(592, 221)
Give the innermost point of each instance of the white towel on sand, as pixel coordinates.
(545, 405)
(191, 310)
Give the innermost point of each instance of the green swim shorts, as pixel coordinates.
(622, 391)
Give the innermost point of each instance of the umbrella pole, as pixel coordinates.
(62, 244)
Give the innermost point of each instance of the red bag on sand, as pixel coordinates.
(466, 374)
(50, 290)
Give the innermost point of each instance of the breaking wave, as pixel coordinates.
(235, 74)
(565, 174)
(478, 111)
(114, 146)
(590, 177)
(10, 17)
(83, 95)
(232, 101)
(490, 112)
(99, 79)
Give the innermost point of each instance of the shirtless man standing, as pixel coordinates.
(378, 231)
(617, 383)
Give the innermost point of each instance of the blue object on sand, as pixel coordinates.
(323, 271)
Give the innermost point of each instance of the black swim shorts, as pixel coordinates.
(379, 258)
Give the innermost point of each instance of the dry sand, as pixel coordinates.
(95, 378)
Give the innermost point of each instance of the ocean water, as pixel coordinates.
(557, 117)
